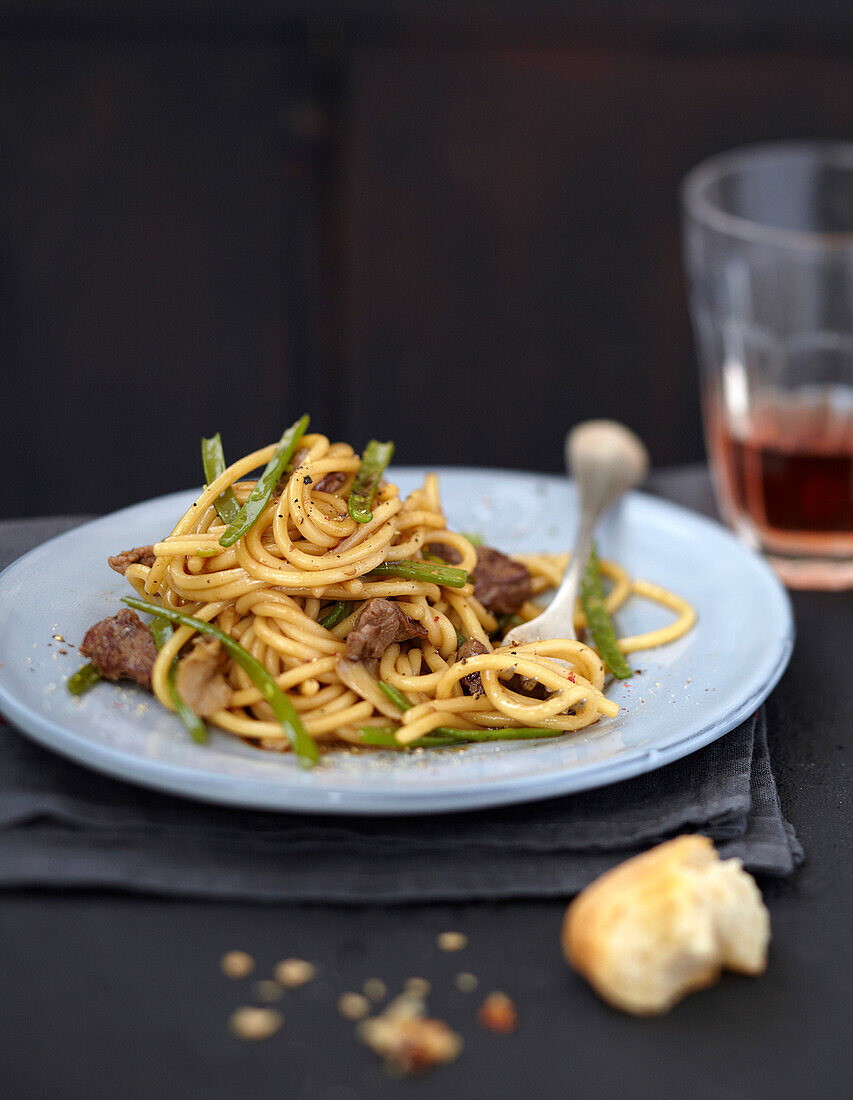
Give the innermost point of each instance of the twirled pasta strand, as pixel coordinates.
(304, 552)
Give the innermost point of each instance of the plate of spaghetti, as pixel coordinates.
(317, 630)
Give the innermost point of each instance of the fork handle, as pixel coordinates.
(606, 459)
(558, 618)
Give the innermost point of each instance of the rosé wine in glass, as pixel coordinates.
(768, 237)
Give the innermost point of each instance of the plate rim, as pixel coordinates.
(249, 793)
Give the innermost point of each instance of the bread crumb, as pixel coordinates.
(465, 982)
(411, 1045)
(252, 1023)
(292, 973)
(269, 990)
(353, 1006)
(452, 941)
(375, 989)
(406, 1040)
(237, 964)
(497, 1013)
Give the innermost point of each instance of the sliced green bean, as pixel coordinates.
(385, 736)
(507, 622)
(395, 696)
(447, 575)
(336, 614)
(193, 723)
(162, 630)
(266, 483)
(374, 462)
(213, 460)
(84, 678)
(508, 733)
(599, 621)
(302, 742)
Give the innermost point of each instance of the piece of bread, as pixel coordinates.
(665, 923)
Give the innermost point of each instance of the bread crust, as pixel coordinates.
(665, 923)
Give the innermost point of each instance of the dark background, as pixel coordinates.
(454, 225)
(451, 223)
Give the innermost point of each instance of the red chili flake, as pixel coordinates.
(572, 677)
(435, 618)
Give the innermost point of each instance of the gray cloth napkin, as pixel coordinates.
(61, 826)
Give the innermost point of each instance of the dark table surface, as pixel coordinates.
(105, 995)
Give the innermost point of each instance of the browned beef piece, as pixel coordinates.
(330, 483)
(444, 550)
(139, 555)
(121, 648)
(201, 684)
(471, 684)
(380, 623)
(500, 584)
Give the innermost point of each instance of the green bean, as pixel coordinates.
(474, 537)
(385, 736)
(507, 622)
(447, 575)
(336, 614)
(395, 695)
(162, 630)
(266, 483)
(509, 733)
(213, 460)
(373, 464)
(84, 678)
(599, 621)
(302, 742)
(194, 725)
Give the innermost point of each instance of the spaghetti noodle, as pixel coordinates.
(305, 562)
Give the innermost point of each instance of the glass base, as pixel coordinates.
(792, 555)
(823, 574)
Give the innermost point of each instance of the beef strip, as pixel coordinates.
(201, 683)
(471, 684)
(500, 584)
(121, 648)
(330, 483)
(139, 555)
(380, 623)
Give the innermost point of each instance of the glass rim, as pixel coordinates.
(700, 209)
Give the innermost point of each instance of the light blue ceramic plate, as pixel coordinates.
(687, 694)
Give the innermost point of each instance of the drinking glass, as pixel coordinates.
(768, 244)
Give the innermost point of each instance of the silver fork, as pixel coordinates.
(606, 459)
